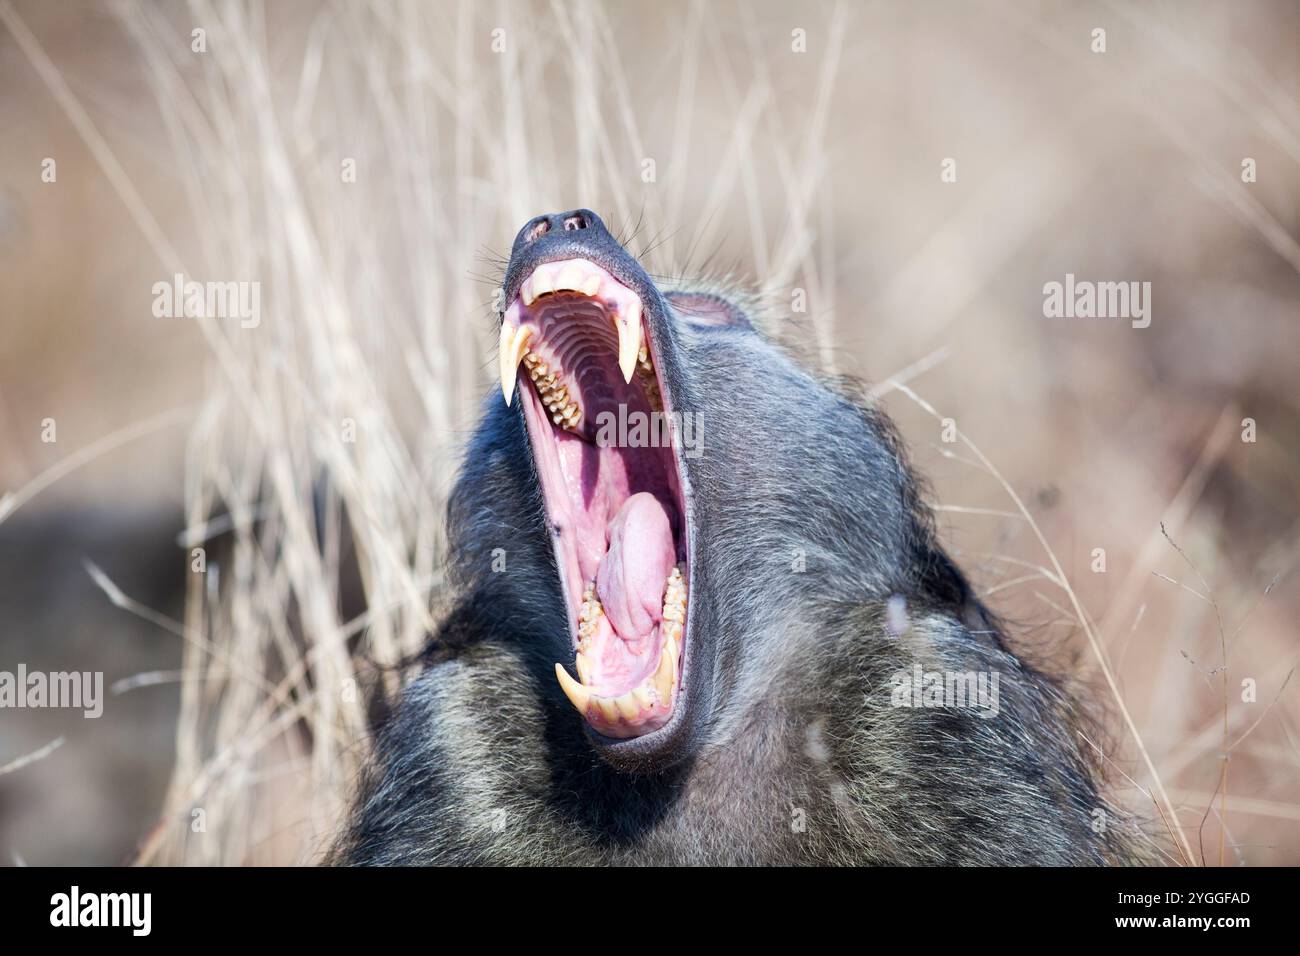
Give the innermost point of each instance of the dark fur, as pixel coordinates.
(797, 755)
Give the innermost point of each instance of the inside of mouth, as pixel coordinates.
(605, 458)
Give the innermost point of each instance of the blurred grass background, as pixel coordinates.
(817, 170)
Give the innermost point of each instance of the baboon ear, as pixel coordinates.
(707, 310)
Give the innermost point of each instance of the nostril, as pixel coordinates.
(539, 228)
(576, 221)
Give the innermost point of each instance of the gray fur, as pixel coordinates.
(801, 757)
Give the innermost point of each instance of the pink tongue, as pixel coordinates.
(631, 577)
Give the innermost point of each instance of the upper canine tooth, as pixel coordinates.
(629, 338)
(511, 348)
(526, 291)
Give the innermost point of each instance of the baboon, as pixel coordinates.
(744, 605)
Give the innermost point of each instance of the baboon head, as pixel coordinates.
(703, 496)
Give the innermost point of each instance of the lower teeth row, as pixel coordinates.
(674, 605)
(655, 693)
(589, 616)
(674, 616)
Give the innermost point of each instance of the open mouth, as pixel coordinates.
(607, 461)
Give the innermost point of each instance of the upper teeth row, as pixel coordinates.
(573, 275)
(554, 394)
(649, 381)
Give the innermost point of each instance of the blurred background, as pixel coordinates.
(920, 171)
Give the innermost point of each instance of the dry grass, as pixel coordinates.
(375, 331)
(818, 171)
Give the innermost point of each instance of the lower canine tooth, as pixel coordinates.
(578, 695)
